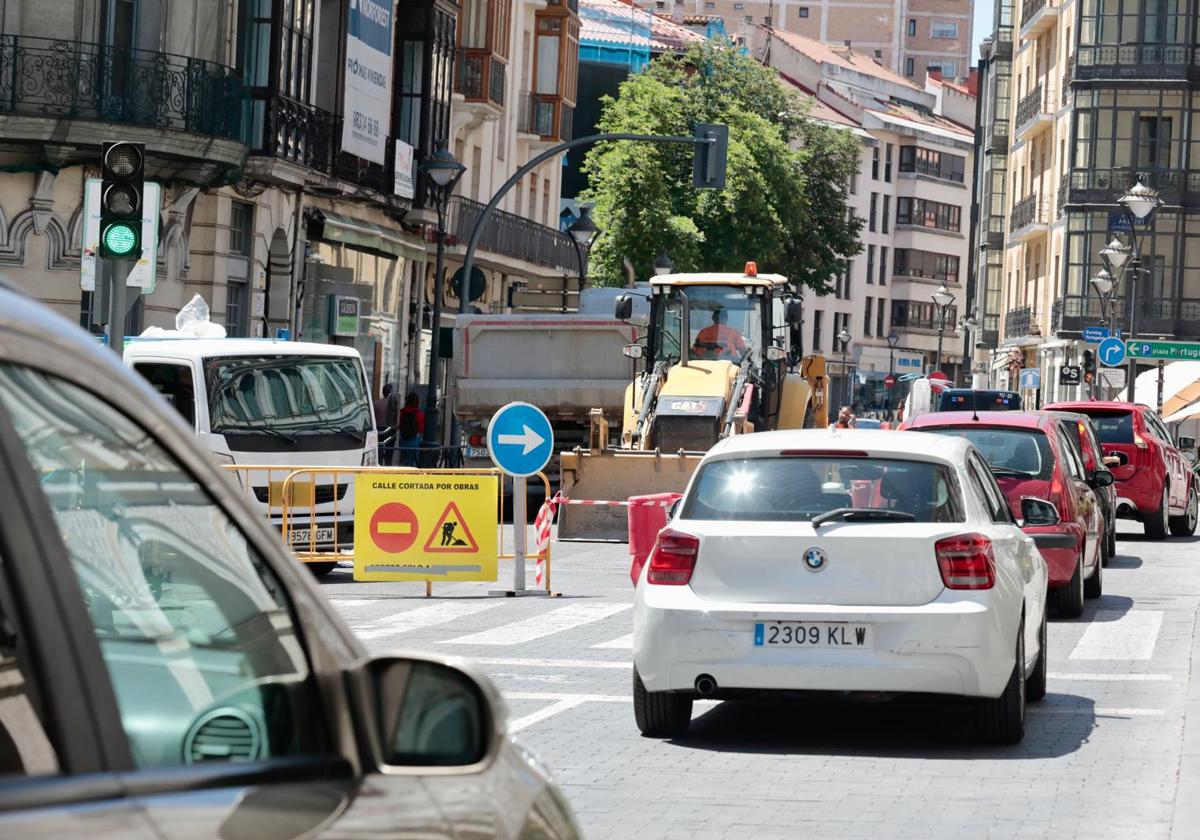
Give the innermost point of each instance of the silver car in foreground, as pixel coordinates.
(169, 671)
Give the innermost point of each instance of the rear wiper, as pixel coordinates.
(354, 433)
(862, 513)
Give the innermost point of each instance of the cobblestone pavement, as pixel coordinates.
(1111, 752)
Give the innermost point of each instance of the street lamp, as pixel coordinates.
(583, 234)
(942, 299)
(844, 337)
(663, 264)
(443, 171)
(892, 340)
(1139, 203)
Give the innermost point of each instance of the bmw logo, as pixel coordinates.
(815, 559)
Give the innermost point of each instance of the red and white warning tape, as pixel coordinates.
(541, 532)
(563, 501)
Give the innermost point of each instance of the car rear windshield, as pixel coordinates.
(1113, 426)
(1011, 453)
(795, 489)
(966, 400)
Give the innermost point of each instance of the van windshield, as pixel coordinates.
(287, 396)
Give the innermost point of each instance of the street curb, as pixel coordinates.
(1186, 815)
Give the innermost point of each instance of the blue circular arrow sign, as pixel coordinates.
(1111, 352)
(520, 439)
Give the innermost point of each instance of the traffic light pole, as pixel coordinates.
(116, 274)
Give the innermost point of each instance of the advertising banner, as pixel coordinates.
(367, 103)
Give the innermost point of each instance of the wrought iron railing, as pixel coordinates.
(44, 77)
(1028, 211)
(1004, 35)
(1029, 8)
(515, 236)
(1021, 321)
(1138, 61)
(1073, 313)
(1064, 192)
(1119, 180)
(1068, 76)
(496, 81)
(480, 76)
(1038, 101)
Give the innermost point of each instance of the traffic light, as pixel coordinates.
(1089, 366)
(709, 154)
(122, 172)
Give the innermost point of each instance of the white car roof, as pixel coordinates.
(203, 348)
(879, 443)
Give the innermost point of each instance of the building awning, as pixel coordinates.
(366, 236)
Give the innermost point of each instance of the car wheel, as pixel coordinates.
(1093, 587)
(1185, 526)
(1035, 686)
(1070, 595)
(321, 569)
(1002, 721)
(1156, 522)
(660, 714)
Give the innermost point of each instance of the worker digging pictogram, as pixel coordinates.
(451, 535)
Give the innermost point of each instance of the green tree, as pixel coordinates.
(783, 207)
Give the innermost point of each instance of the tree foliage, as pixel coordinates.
(783, 207)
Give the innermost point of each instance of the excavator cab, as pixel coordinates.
(715, 361)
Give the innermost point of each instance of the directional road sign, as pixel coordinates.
(1174, 351)
(1030, 379)
(520, 439)
(1111, 352)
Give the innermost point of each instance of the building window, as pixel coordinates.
(867, 318)
(737, 7)
(870, 264)
(875, 164)
(942, 165)
(1154, 141)
(948, 69)
(816, 336)
(871, 217)
(919, 315)
(912, 31)
(931, 214)
(709, 4)
(879, 317)
(887, 165)
(748, 19)
(883, 264)
(241, 251)
(235, 308)
(660, 4)
(853, 185)
(909, 67)
(887, 211)
(940, 267)
(941, 29)
(804, 11)
(849, 277)
(241, 228)
(879, 54)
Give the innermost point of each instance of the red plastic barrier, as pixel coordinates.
(647, 516)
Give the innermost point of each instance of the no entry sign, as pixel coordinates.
(394, 528)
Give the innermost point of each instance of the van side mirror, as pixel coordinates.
(623, 308)
(424, 713)
(1184, 442)
(633, 351)
(794, 312)
(1036, 511)
(1102, 478)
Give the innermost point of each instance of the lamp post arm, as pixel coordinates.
(481, 221)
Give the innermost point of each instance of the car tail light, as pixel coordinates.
(1139, 441)
(475, 440)
(966, 562)
(673, 559)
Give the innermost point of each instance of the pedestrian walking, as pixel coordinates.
(410, 429)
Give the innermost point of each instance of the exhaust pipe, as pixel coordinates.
(705, 685)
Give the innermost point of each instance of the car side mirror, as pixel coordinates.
(794, 313)
(1187, 443)
(623, 308)
(1102, 478)
(422, 713)
(633, 351)
(1036, 511)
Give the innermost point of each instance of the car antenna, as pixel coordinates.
(974, 405)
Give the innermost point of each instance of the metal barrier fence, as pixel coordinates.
(308, 505)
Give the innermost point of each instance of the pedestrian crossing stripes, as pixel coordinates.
(623, 643)
(541, 625)
(430, 616)
(1113, 634)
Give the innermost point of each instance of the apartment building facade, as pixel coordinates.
(910, 37)
(913, 190)
(1097, 101)
(283, 187)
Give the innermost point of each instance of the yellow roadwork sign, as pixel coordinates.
(426, 526)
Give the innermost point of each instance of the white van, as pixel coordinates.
(267, 402)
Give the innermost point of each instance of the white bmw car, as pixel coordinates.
(843, 561)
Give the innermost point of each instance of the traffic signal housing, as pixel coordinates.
(1089, 366)
(122, 183)
(709, 153)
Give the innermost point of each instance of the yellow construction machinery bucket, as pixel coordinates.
(613, 475)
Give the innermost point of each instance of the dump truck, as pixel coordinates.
(719, 357)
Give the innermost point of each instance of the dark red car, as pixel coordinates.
(1082, 428)
(1032, 455)
(1155, 483)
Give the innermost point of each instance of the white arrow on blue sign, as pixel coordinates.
(520, 439)
(1111, 352)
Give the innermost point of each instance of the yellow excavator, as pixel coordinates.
(716, 360)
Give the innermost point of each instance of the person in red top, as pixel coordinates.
(719, 340)
(410, 429)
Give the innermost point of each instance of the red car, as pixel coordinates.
(1155, 483)
(1082, 427)
(1032, 455)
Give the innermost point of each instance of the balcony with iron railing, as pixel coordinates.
(1067, 77)
(547, 117)
(1022, 321)
(1035, 111)
(158, 98)
(996, 135)
(1064, 192)
(480, 77)
(1029, 218)
(510, 235)
(1037, 16)
(1144, 62)
(1105, 185)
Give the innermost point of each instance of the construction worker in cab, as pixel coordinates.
(719, 340)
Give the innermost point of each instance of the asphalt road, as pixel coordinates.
(1113, 750)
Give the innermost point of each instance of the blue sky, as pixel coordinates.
(982, 27)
